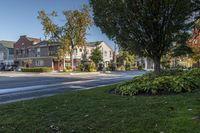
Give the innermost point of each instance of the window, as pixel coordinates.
(11, 51)
(110, 54)
(16, 52)
(1, 55)
(38, 52)
(76, 51)
(27, 52)
(39, 63)
(105, 52)
(80, 50)
(23, 51)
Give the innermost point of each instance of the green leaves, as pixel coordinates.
(165, 84)
(72, 34)
(96, 55)
(146, 27)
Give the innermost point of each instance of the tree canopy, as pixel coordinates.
(147, 27)
(72, 34)
(126, 57)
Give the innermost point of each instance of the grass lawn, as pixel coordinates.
(97, 111)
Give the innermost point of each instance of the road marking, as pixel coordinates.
(18, 89)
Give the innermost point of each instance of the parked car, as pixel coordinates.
(18, 68)
(2, 67)
(9, 68)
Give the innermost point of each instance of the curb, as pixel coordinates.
(85, 73)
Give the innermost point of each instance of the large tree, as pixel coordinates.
(147, 27)
(71, 35)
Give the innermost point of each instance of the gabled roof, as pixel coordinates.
(36, 40)
(7, 44)
(94, 44)
(45, 43)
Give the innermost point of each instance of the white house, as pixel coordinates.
(146, 63)
(106, 50)
(6, 52)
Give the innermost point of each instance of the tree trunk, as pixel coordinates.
(64, 66)
(157, 68)
(72, 60)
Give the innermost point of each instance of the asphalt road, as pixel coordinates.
(15, 86)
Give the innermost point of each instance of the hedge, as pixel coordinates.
(168, 82)
(37, 69)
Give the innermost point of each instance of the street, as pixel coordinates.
(16, 86)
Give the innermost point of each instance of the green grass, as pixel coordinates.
(97, 111)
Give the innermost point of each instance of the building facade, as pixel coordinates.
(33, 52)
(6, 52)
(79, 53)
(194, 44)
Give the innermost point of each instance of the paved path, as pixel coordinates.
(23, 86)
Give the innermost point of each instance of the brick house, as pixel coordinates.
(33, 52)
(6, 52)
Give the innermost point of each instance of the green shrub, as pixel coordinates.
(92, 67)
(121, 68)
(179, 81)
(80, 67)
(128, 67)
(111, 67)
(168, 72)
(67, 69)
(140, 67)
(37, 69)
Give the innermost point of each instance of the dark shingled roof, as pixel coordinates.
(7, 44)
(93, 44)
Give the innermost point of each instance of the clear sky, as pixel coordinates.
(19, 17)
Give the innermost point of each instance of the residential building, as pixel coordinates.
(106, 50)
(6, 52)
(194, 43)
(33, 52)
(145, 62)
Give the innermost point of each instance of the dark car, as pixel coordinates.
(8, 68)
(2, 67)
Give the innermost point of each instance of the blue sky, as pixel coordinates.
(19, 17)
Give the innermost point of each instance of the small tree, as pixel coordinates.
(126, 58)
(71, 35)
(96, 55)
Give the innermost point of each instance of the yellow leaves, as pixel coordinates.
(72, 33)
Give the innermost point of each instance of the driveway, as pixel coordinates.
(16, 86)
